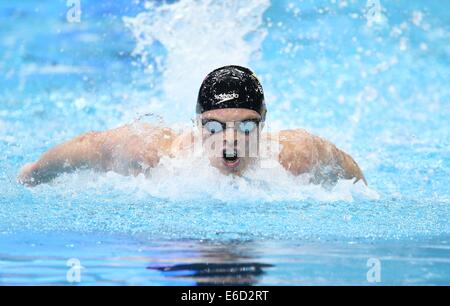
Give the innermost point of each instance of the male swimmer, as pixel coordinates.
(230, 113)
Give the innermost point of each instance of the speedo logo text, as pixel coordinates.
(226, 97)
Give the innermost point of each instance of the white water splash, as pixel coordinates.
(190, 178)
(197, 37)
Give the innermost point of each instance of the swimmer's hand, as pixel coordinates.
(26, 176)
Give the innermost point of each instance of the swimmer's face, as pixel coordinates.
(231, 138)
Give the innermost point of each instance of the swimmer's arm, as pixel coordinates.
(82, 151)
(127, 150)
(305, 153)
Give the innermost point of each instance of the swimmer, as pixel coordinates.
(231, 114)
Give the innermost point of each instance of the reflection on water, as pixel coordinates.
(125, 260)
(225, 264)
(233, 274)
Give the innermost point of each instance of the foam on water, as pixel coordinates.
(195, 37)
(202, 204)
(178, 200)
(184, 198)
(192, 179)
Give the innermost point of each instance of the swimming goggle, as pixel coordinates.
(214, 126)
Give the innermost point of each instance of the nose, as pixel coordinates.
(230, 135)
(229, 146)
(230, 141)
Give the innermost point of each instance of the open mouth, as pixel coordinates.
(230, 158)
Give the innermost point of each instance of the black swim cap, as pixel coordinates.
(231, 87)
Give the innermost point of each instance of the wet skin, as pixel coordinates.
(135, 149)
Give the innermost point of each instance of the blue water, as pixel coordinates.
(378, 91)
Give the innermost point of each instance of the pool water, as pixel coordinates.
(376, 87)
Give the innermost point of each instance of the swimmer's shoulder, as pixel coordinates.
(300, 142)
(301, 151)
(137, 137)
(170, 142)
(142, 130)
(293, 137)
(296, 150)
